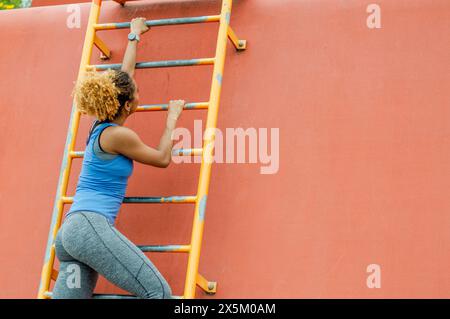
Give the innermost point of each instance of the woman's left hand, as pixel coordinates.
(138, 26)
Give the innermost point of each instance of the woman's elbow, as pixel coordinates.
(165, 161)
(160, 159)
(159, 163)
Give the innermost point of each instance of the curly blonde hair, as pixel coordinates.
(103, 94)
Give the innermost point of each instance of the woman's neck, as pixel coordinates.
(120, 120)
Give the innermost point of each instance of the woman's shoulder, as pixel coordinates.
(115, 136)
(119, 130)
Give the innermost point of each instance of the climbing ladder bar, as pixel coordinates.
(156, 64)
(48, 294)
(176, 152)
(207, 155)
(147, 199)
(157, 23)
(160, 199)
(193, 277)
(66, 164)
(165, 107)
(166, 248)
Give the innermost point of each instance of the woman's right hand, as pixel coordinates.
(175, 108)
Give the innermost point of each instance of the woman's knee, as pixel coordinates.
(154, 284)
(163, 292)
(167, 291)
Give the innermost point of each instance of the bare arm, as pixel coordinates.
(128, 143)
(166, 142)
(129, 60)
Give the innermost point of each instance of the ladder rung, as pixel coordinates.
(187, 151)
(156, 64)
(109, 296)
(165, 248)
(161, 199)
(112, 296)
(149, 200)
(77, 154)
(67, 199)
(161, 22)
(164, 107)
(176, 152)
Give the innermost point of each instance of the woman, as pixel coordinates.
(87, 243)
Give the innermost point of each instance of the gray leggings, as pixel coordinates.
(88, 245)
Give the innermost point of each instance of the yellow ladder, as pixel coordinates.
(193, 278)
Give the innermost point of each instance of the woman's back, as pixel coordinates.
(103, 178)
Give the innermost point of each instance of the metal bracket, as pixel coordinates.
(105, 52)
(240, 45)
(210, 287)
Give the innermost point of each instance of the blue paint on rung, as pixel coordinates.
(159, 199)
(155, 106)
(161, 22)
(187, 106)
(160, 248)
(121, 25)
(202, 207)
(176, 21)
(111, 296)
(175, 198)
(182, 151)
(178, 151)
(142, 199)
(155, 64)
(227, 17)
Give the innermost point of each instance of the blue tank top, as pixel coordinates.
(103, 178)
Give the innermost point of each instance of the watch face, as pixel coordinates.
(131, 36)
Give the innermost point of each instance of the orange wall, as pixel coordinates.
(364, 124)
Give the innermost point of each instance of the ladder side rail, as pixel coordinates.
(67, 158)
(207, 156)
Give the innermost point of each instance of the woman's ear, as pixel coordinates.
(127, 107)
